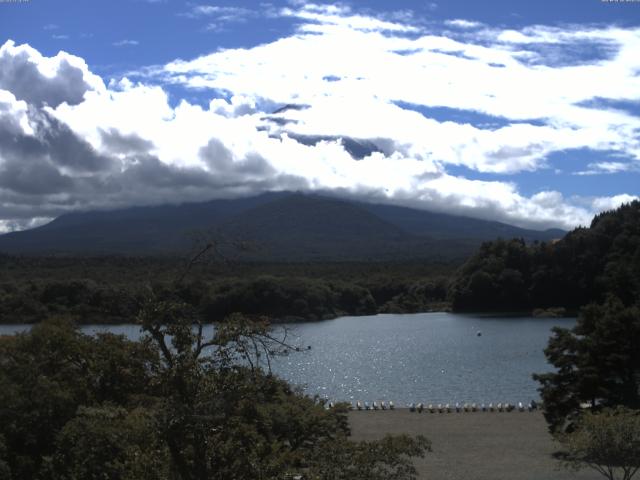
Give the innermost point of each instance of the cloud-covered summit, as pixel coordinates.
(453, 116)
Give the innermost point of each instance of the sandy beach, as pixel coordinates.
(473, 446)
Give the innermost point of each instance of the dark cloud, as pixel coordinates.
(117, 142)
(148, 181)
(43, 163)
(20, 76)
(150, 172)
(216, 155)
(54, 143)
(220, 160)
(34, 178)
(24, 167)
(66, 149)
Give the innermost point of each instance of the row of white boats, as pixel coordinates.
(446, 407)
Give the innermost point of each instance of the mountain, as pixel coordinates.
(444, 226)
(281, 226)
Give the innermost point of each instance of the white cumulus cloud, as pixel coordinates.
(372, 106)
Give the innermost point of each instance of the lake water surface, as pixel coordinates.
(426, 357)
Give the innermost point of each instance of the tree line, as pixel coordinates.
(214, 295)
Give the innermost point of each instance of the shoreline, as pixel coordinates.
(296, 319)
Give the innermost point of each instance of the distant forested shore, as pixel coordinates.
(111, 289)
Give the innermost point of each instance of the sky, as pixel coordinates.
(525, 112)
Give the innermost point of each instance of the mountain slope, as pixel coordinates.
(282, 226)
(137, 230)
(442, 225)
(303, 227)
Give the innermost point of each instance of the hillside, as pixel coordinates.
(280, 226)
(585, 266)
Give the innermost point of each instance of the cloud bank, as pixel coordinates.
(383, 108)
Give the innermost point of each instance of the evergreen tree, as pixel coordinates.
(597, 362)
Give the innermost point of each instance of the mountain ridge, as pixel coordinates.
(286, 226)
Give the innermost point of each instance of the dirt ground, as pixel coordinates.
(474, 446)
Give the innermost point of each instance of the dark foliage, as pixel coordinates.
(110, 289)
(585, 266)
(175, 406)
(597, 364)
(288, 298)
(46, 375)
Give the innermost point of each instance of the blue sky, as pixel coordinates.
(520, 111)
(166, 32)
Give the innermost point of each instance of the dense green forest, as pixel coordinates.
(111, 289)
(587, 265)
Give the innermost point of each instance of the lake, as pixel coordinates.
(426, 357)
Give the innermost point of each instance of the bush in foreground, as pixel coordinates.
(608, 442)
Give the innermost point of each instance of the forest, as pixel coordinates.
(587, 265)
(111, 289)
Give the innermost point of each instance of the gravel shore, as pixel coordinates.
(473, 446)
